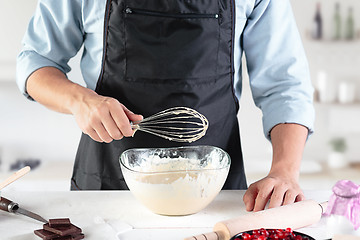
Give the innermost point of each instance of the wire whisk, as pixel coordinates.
(179, 124)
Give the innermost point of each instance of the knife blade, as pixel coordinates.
(12, 207)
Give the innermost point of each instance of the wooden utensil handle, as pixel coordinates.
(5, 204)
(15, 176)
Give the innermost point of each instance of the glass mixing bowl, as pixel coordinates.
(175, 181)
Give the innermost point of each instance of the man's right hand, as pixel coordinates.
(104, 119)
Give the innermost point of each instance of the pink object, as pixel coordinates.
(345, 201)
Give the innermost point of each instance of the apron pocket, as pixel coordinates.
(170, 45)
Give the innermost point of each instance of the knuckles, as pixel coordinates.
(262, 196)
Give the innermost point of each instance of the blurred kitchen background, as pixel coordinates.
(330, 29)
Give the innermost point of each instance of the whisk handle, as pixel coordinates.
(135, 125)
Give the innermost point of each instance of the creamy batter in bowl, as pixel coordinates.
(175, 181)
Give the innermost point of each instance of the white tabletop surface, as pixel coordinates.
(114, 215)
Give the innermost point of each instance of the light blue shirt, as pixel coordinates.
(265, 31)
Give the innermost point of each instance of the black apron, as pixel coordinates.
(160, 54)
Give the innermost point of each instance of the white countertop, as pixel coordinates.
(105, 214)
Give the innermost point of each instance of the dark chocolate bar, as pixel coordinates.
(63, 231)
(59, 222)
(70, 237)
(45, 235)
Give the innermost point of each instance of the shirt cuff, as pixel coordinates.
(298, 113)
(27, 63)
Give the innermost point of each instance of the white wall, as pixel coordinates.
(14, 17)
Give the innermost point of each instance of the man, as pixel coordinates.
(146, 56)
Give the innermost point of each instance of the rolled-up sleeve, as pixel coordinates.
(54, 35)
(277, 66)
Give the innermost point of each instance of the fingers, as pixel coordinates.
(94, 135)
(107, 129)
(266, 188)
(249, 198)
(122, 118)
(285, 197)
(262, 199)
(277, 196)
(289, 197)
(96, 129)
(258, 195)
(272, 191)
(132, 116)
(105, 119)
(300, 197)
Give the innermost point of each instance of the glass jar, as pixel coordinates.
(343, 210)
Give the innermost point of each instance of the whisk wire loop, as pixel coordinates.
(180, 124)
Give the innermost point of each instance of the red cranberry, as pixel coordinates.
(263, 232)
(256, 232)
(246, 236)
(281, 235)
(256, 236)
(274, 237)
(271, 234)
(262, 238)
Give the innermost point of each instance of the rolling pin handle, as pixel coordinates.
(323, 207)
(206, 236)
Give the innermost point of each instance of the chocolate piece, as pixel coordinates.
(63, 231)
(59, 222)
(78, 237)
(46, 235)
(70, 237)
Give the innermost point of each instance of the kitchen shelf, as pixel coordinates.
(337, 104)
(333, 42)
(331, 48)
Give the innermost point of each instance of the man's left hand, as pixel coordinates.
(274, 189)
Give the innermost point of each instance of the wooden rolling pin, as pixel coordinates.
(345, 237)
(295, 215)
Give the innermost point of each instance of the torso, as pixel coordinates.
(93, 23)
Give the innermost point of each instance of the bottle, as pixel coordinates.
(350, 28)
(337, 22)
(317, 23)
